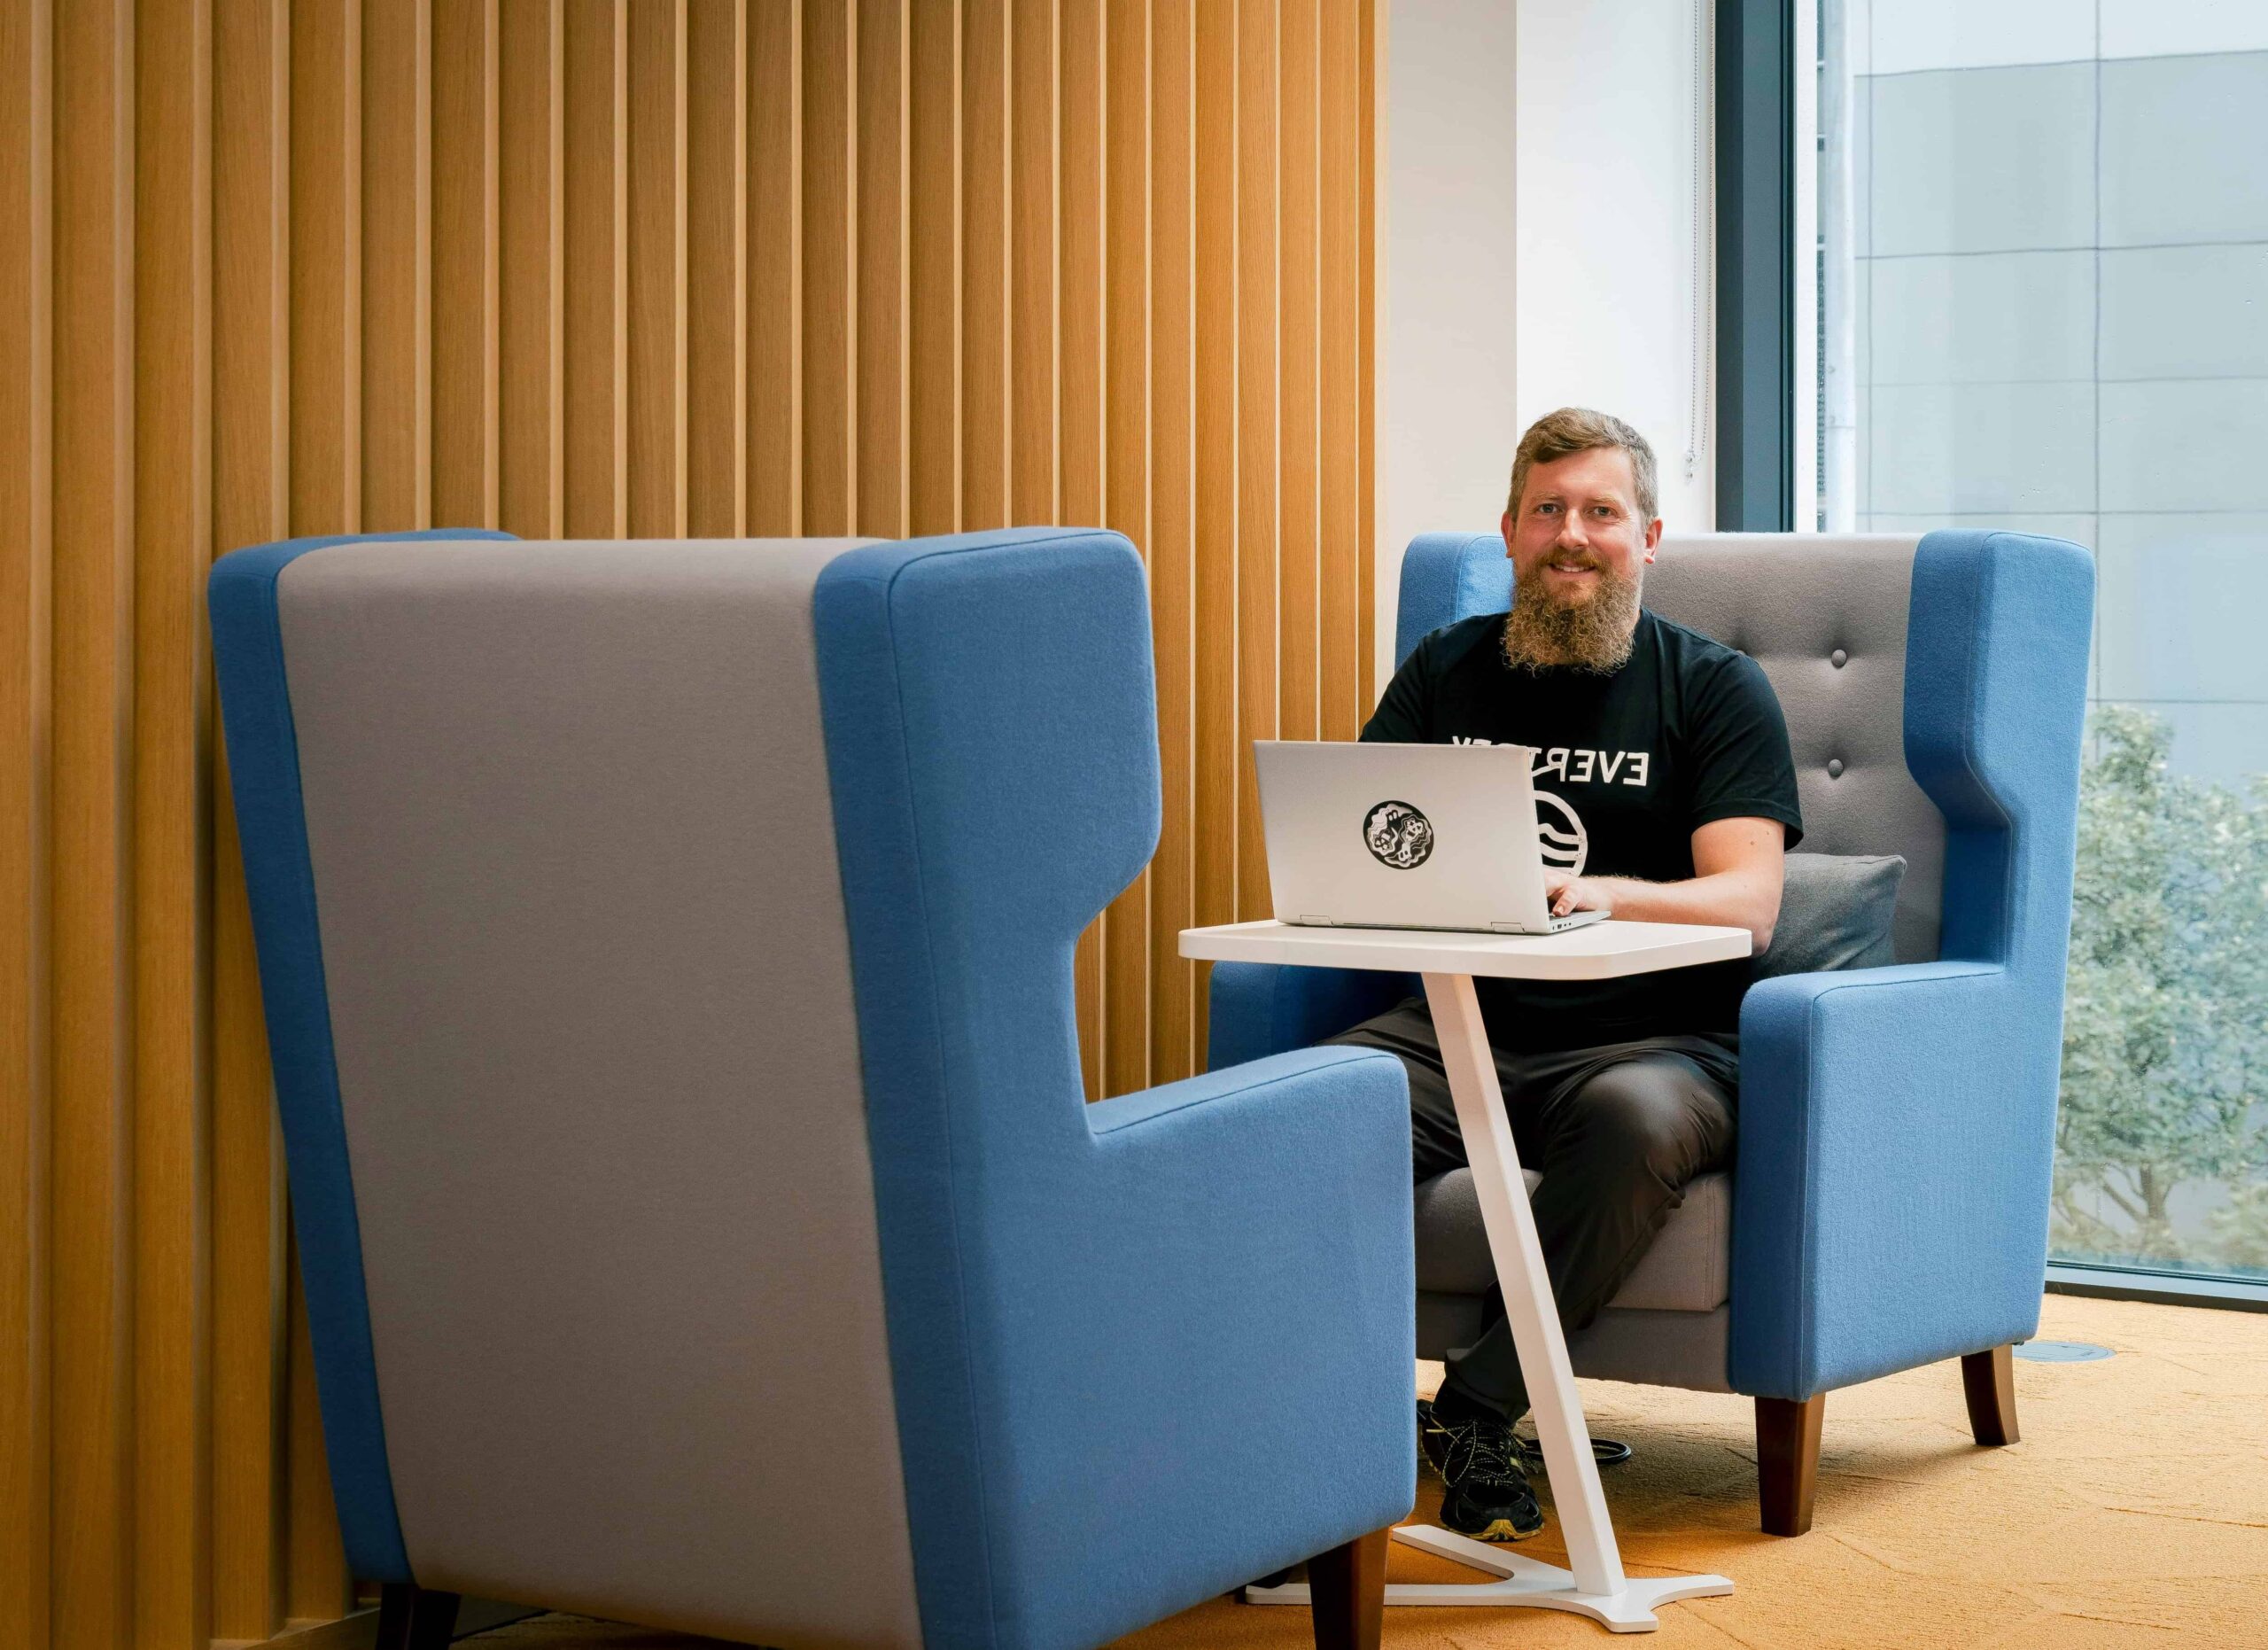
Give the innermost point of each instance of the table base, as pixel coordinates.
(1522, 1582)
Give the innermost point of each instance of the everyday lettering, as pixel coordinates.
(1578, 767)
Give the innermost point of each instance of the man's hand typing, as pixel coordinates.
(1736, 864)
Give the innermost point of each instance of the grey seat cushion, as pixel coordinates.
(1688, 1269)
(1836, 911)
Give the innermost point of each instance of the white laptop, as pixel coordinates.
(1405, 836)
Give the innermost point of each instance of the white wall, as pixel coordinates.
(1446, 395)
(1608, 254)
(1539, 242)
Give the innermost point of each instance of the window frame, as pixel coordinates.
(1755, 238)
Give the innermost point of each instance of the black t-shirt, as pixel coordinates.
(1627, 767)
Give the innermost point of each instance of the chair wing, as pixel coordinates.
(1897, 1125)
(264, 763)
(1090, 1286)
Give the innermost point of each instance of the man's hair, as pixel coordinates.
(1574, 430)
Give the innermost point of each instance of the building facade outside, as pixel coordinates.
(2043, 304)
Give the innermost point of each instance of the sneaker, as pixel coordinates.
(1487, 1493)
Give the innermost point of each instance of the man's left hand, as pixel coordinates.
(1565, 894)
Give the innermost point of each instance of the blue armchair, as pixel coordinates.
(1889, 1204)
(667, 957)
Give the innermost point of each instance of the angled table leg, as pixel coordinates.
(1594, 1584)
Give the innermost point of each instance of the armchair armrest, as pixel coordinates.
(1210, 1372)
(1263, 1008)
(1897, 1142)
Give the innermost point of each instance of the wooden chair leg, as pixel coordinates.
(1787, 1461)
(1989, 1380)
(415, 1618)
(1348, 1586)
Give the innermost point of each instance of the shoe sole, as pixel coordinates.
(1503, 1529)
(1495, 1530)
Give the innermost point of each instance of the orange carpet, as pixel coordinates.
(2134, 1511)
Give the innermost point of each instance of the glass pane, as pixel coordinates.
(2042, 270)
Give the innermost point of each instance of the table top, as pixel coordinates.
(1596, 951)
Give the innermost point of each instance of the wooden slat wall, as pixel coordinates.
(577, 267)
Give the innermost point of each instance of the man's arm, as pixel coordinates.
(1736, 884)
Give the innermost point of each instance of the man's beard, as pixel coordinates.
(1594, 636)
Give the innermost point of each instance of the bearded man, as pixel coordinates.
(1665, 793)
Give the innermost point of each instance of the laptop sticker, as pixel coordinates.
(1398, 836)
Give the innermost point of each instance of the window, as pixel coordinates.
(2041, 303)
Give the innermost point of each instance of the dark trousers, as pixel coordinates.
(1618, 1132)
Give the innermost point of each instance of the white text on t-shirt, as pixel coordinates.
(1579, 766)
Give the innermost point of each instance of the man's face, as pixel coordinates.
(1577, 520)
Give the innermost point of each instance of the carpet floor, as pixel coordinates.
(2134, 1511)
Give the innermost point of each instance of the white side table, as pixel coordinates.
(1595, 1585)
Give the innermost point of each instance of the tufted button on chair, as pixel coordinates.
(1889, 1202)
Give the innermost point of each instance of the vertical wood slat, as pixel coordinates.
(985, 264)
(530, 233)
(1298, 698)
(395, 91)
(654, 187)
(829, 347)
(1081, 227)
(775, 265)
(326, 266)
(26, 222)
(592, 267)
(1126, 287)
(1370, 30)
(250, 503)
(933, 266)
(1033, 482)
(881, 237)
(89, 1218)
(318, 1587)
(1344, 562)
(93, 799)
(1256, 522)
(462, 347)
(1172, 522)
(714, 270)
(172, 755)
(1216, 428)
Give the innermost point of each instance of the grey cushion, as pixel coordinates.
(1688, 1268)
(1656, 1348)
(565, 1157)
(1836, 911)
(1825, 615)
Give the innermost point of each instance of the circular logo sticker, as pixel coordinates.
(1398, 836)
